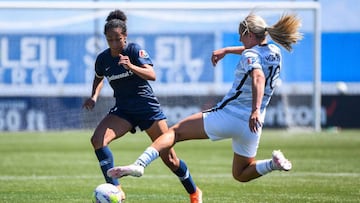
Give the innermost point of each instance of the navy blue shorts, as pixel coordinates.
(143, 120)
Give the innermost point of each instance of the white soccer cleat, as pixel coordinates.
(279, 161)
(130, 170)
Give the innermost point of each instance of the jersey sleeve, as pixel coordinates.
(251, 60)
(99, 68)
(140, 55)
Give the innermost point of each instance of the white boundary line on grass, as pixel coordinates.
(221, 175)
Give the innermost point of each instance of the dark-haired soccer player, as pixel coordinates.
(128, 68)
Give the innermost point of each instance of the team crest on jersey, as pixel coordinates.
(250, 60)
(143, 54)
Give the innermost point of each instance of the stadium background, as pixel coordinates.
(46, 71)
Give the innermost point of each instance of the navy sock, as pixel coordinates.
(184, 175)
(106, 161)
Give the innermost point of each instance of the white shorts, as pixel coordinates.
(221, 125)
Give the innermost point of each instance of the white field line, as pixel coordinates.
(148, 176)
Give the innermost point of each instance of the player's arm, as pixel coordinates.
(98, 83)
(218, 54)
(258, 85)
(146, 71)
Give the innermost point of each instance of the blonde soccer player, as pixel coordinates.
(240, 114)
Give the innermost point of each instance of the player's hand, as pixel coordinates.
(217, 55)
(254, 121)
(124, 61)
(89, 104)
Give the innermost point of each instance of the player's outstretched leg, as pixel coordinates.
(136, 169)
(130, 170)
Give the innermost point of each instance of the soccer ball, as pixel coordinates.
(106, 193)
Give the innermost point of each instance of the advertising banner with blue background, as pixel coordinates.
(45, 77)
(68, 59)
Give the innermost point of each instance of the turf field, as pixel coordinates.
(61, 167)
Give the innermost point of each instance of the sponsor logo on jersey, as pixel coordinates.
(119, 76)
(143, 54)
(273, 57)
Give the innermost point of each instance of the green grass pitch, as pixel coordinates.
(61, 167)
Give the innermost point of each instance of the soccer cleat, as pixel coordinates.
(122, 193)
(279, 162)
(196, 197)
(130, 170)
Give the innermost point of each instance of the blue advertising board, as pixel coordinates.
(66, 59)
(298, 65)
(31, 63)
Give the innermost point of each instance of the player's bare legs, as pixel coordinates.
(191, 127)
(169, 158)
(177, 166)
(109, 129)
(168, 155)
(246, 169)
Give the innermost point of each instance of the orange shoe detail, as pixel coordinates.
(121, 192)
(196, 197)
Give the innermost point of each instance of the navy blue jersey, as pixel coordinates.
(133, 94)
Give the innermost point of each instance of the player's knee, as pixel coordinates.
(241, 178)
(93, 142)
(97, 142)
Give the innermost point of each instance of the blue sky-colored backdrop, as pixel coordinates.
(340, 33)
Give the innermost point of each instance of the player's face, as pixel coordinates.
(244, 40)
(246, 37)
(116, 41)
(248, 40)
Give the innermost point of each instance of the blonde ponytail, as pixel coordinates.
(285, 31)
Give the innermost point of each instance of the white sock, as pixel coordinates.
(149, 155)
(263, 166)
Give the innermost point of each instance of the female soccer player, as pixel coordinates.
(240, 114)
(128, 68)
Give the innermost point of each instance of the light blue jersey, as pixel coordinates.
(238, 101)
